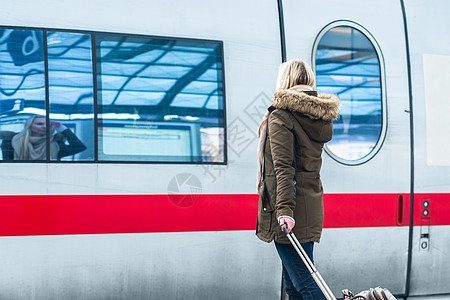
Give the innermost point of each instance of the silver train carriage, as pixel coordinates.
(167, 96)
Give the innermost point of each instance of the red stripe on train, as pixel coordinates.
(101, 214)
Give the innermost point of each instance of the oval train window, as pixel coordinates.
(348, 63)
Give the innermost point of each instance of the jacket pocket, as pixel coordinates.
(265, 208)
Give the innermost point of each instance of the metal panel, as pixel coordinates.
(246, 53)
(352, 254)
(214, 265)
(18, 178)
(428, 31)
(437, 108)
(347, 259)
(430, 272)
(388, 171)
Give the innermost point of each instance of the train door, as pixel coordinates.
(430, 56)
(358, 52)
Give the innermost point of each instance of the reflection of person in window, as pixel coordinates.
(7, 150)
(31, 143)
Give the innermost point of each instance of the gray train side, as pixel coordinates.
(408, 254)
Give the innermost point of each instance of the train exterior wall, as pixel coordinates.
(99, 231)
(387, 173)
(210, 265)
(430, 55)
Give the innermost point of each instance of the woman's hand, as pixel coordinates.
(56, 124)
(288, 221)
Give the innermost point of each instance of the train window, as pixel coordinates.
(71, 93)
(130, 98)
(159, 100)
(22, 95)
(348, 63)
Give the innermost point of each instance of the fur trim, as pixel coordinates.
(323, 106)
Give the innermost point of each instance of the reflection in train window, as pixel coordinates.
(71, 94)
(156, 99)
(347, 64)
(22, 95)
(159, 99)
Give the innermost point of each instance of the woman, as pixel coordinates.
(31, 143)
(292, 135)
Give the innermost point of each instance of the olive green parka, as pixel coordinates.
(298, 126)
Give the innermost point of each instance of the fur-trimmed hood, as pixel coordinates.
(322, 106)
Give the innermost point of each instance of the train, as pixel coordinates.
(167, 97)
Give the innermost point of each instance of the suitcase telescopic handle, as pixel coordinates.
(308, 263)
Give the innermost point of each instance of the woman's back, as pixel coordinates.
(298, 127)
(292, 135)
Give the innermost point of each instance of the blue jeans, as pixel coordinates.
(297, 279)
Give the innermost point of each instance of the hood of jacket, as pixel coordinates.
(314, 112)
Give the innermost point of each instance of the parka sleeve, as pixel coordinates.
(282, 148)
(75, 145)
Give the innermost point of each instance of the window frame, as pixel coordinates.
(381, 64)
(93, 34)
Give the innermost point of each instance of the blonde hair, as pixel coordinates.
(294, 72)
(24, 137)
(291, 73)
